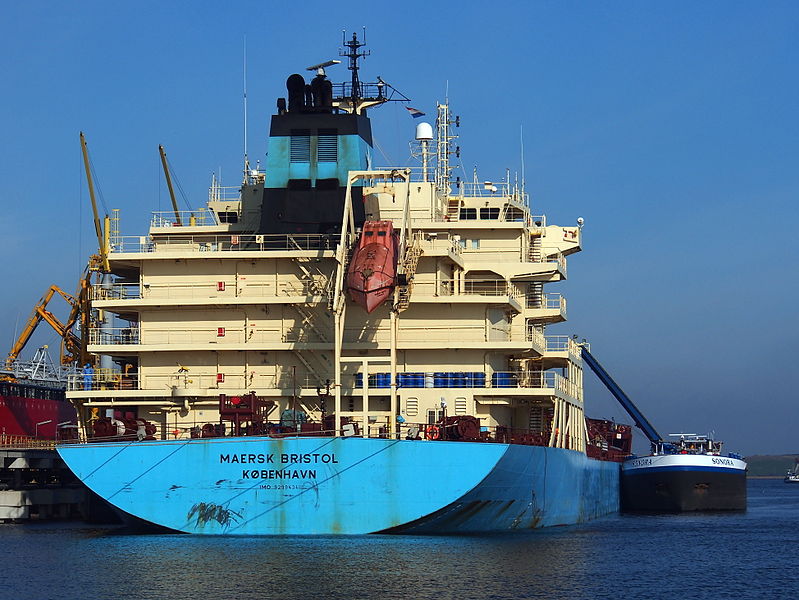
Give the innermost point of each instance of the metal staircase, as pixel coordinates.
(453, 208)
(408, 268)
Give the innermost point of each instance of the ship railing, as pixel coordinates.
(487, 189)
(103, 379)
(44, 372)
(218, 290)
(434, 241)
(546, 301)
(114, 336)
(477, 287)
(224, 243)
(534, 335)
(185, 218)
(378, 427)
(25, 442)
(563, 343)
(221, 193)
(182, 383)
(467, 379)
(538, 221)
(117, 291)
(547, 255)
(158, 336)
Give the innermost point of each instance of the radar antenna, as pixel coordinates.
(354, 54)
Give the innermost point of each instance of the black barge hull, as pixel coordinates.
(671, 491)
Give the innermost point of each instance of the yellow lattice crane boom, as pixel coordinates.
(72, 348)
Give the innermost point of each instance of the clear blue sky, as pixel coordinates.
(671, 127)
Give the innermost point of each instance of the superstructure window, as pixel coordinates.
(434, 416)
(327, 145)
(300, 150)
(489, 213)
(468, 213)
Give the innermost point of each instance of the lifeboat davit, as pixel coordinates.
(372, 273)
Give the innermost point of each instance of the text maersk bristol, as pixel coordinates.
(290, 458)
(285, 459)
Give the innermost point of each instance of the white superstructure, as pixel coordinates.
(203, 305)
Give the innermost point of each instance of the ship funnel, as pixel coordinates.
(424, 131)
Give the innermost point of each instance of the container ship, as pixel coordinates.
(334, 348)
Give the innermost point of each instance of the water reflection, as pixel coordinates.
(714, 556)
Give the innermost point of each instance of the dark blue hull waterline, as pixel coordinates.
(314, 485)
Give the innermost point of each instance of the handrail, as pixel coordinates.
(223, 243)
(212, 291)
(109, 379)
(381, 428)
(183, 218)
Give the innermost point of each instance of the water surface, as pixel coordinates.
(693, 557)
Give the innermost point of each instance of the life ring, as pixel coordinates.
(433, 432)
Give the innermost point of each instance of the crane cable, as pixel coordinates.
(177, 183)
(97, 185)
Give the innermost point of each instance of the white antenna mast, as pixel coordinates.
(246, 160)
(521, 142)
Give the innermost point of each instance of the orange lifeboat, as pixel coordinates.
(372, 273)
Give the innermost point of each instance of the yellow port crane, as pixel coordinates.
(72, 347)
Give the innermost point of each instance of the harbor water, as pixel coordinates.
(696, 556)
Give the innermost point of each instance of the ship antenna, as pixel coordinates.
(246, 160)
(521, 143)
(353, 54)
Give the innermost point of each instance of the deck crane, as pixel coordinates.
(178, 220)
(98, 263)
(71, 347)
(640, 420)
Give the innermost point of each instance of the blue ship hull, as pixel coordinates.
(314, 485)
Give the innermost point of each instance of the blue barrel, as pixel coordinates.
(359, 380)
(503, 380)
(440, 380)
(383, 380)
(458, 380)
(478, 379)
(410, 380)
(468, 380)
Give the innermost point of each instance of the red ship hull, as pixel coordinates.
(31, 410)
(372, 273)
